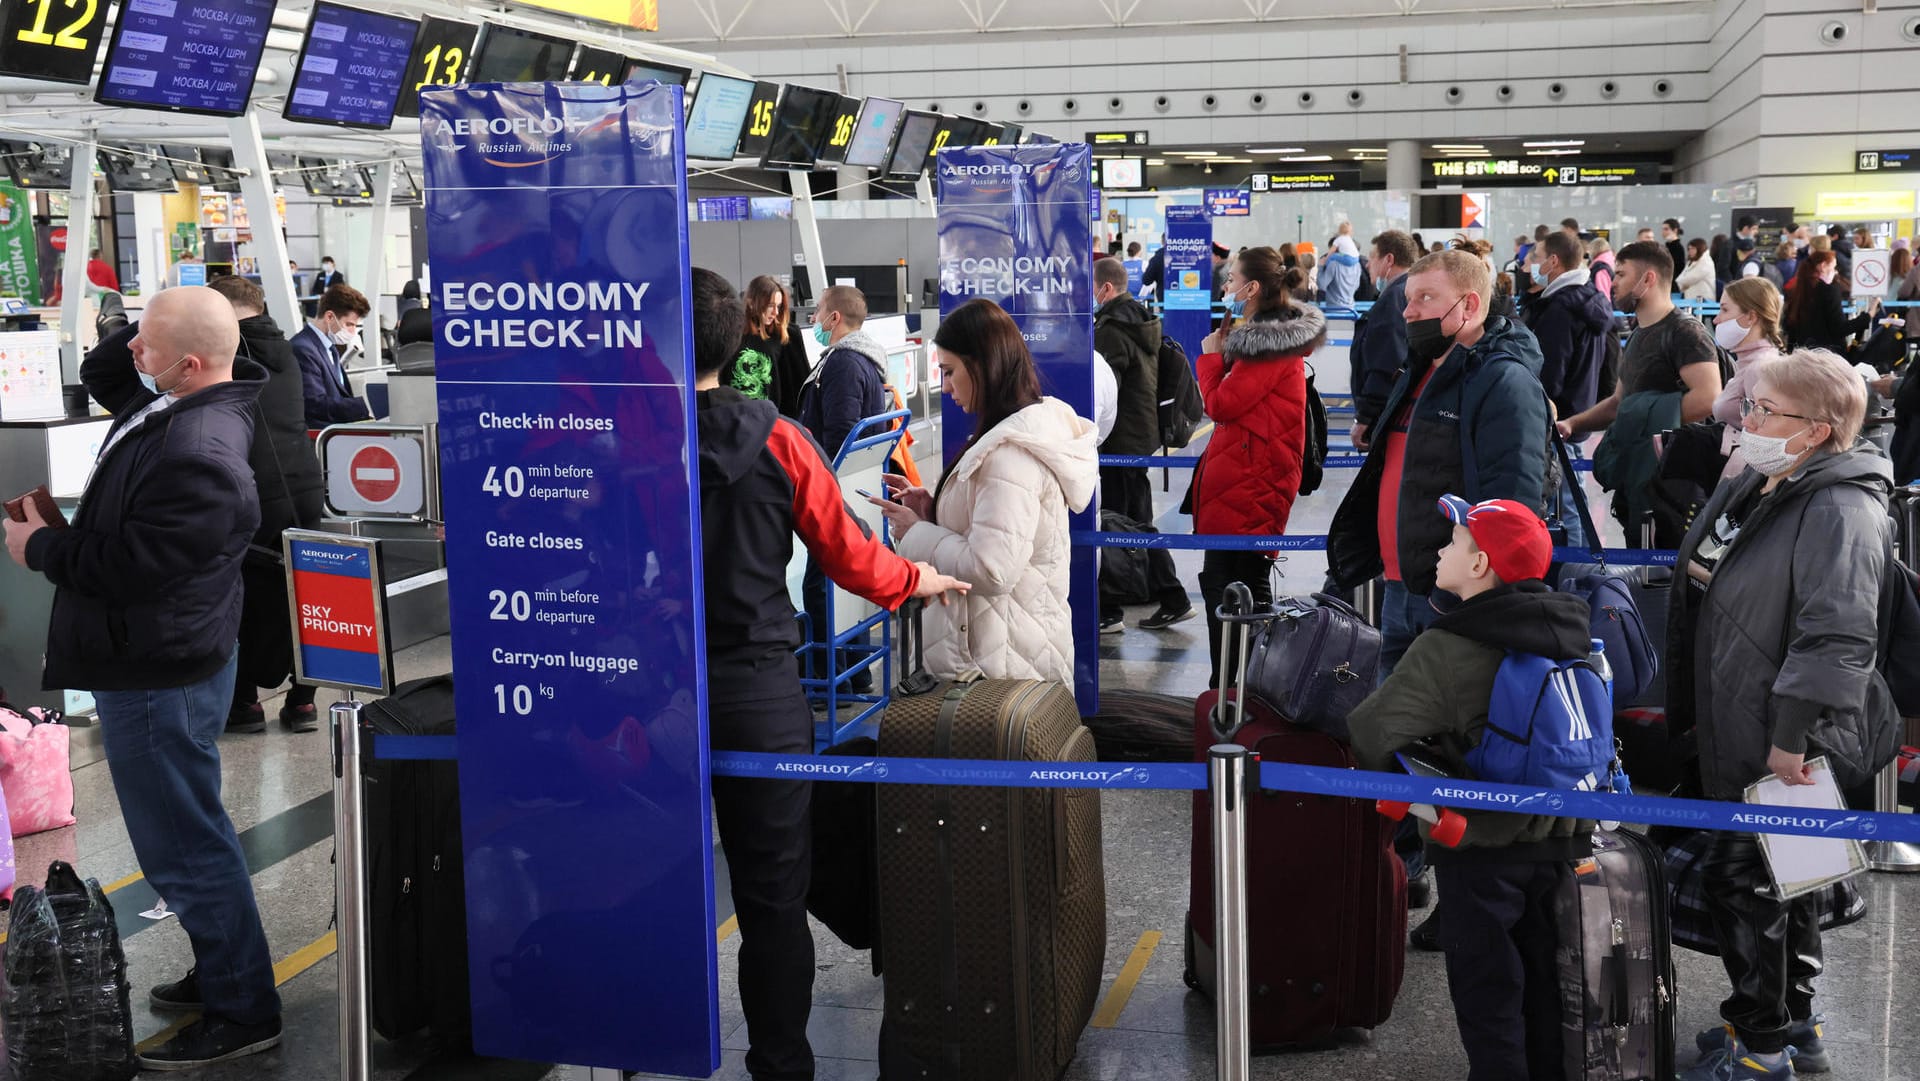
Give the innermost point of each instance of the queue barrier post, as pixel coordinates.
(1227, 784)
(1897, 857)
(350, 892)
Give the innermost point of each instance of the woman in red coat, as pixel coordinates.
(1254, 381)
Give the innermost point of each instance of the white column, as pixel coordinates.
(376, 270)
(73, 274)
(809, 226)
(269, 240)
(1403, 175)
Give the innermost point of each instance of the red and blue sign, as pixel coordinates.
(1229, 202)
(338, 619)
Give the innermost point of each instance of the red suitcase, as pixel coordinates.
(1326, 894)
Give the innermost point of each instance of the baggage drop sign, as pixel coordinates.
(562, 330)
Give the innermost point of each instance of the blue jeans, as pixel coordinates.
(1403, 616)
(163, 751)
(1569, 511)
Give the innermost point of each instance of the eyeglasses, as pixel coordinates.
(1748, 407)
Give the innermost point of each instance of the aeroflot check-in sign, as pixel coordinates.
(336, 598)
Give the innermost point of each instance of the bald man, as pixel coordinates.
(145, 614)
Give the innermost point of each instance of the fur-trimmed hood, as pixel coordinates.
(1267, 335)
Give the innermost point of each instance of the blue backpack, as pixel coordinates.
(1549, 725)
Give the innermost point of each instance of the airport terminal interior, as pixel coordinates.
(447, 258)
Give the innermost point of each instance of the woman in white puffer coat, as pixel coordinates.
(999, 516)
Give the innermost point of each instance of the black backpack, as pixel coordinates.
(1313, 461)
(1181, 409)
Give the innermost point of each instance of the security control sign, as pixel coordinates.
(336, 597)
(1326, 178)
(1886, 161)
(1117, 138)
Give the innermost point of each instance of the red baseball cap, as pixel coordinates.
(1516, 541)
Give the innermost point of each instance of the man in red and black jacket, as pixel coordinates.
(762, 480)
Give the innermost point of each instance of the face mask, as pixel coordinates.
(327, 267)
(1236, 306)
(822, 335)
(1539, 275)
(1426, 341)
(1730, 334)
(1769, 454)
(152, 382)
(343, 337)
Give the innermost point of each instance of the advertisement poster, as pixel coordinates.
(19, 253)
(1188, 313)
(557, 218)
(1015, 227)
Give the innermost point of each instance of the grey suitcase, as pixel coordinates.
(1616, 963)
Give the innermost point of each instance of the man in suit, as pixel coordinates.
(323, 279)
(321, 346)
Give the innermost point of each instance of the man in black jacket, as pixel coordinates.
(1128, 337)
(1380, 337)
(145, 612)
(1573, 324)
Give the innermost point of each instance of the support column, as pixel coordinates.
(376, 268)
(73, 272)
(269, 232)
(1403, 175)
(808, 225)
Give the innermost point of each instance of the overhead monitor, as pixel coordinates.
(1012, 134)
(137, 168)
(873, 134)
(1122, 173)
(198, 57)
(596, 65)
(350, 67)
(335, 179)
(282, 163)
(759, 127)
(406, 190)
(51, 39)
(509, 54)
(910, 150)
(221, 171)
(992, 134)
(640, 71)
(954, 131)
(719, 112)
(803, 121)
(833, 149)
(39, 165)
(442, 56)
(185, 161)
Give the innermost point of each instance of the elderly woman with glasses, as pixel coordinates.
(1774, 638)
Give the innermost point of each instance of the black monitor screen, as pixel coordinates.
(39, 165)
(336, 179)
(953, 131)
(137, 168)
(601, 66)
(442, 56)
(719, 112)
(195, 57)
(846, 120)
(1011, 134)
(46, 39)
(185, 163)
(759, 130)
(916, 140)
(640, 71)
(220, 169)
(873, 133)
(510, 55)
(803, 122)
(351, 67)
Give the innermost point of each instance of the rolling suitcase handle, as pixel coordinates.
(915, 679)
(1238, 618)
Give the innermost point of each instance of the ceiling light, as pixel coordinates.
(1458, 146)
(1310, 157)
(1557, 142)
(1230, 161)
(1549, 153)
(1366, 150)
(1156, 161)
(1276, 150)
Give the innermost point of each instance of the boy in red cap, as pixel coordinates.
(1497, 887)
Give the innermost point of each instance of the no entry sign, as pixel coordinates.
(377, 471)
(374, 473)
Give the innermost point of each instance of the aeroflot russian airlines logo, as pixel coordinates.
(520, 142)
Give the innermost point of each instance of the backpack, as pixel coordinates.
(1549, 724)
(1312, 462)
(1181, 409)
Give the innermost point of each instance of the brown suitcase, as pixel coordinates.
(992, 900)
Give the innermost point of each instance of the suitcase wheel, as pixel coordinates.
(1187, 974)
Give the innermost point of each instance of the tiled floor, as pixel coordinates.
(1869, 995)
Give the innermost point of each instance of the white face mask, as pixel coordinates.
(1768, 453)
(1730, 334)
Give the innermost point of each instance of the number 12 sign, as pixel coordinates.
(57, 40)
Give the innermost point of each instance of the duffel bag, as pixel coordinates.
(1313, 662)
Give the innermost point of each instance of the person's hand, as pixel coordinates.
(935, 584)
(1359, 436)
(1565, 428)
(1790, 768)
(1883, 386)
(1213, 342)
(900, 516)
(913, 497)
(19, 532)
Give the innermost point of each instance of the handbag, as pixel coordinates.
(35, 772)
(1313, 662)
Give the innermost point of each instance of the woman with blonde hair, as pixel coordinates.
(1748, 326)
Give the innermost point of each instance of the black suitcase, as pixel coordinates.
(416, 889)
(1616, 963)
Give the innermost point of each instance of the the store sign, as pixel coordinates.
(1886, 161)
(1324, 178)
(1229, 202)
(1863, 205)
(1116, 138)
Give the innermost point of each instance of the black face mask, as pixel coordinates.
(1426, 341)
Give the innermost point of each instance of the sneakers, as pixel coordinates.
(300, 718)
(247, 720)
(211, 1039)
(183, 994)
(1804, 1039)
(1731, 1062)
(1116, 624)
(1167, 616)
(1426, 937)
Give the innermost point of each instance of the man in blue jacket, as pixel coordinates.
(1465, 416)
(146, 610)
(321, 346)
(1380, 337)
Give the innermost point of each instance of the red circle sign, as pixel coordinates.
(1872, 274)
(57, 239)
(374, 473)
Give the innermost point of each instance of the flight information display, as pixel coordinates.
(54, 40)
(915, 143)
(873, 133)
(720, 104)
(759, 130)
(351, 67)
(186, 56)
(442, 55)
(644, 70)
(803, 121)
(511, 55)
(601, 66)
(833, 148)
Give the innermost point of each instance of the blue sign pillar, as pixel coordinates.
(556, 216)
(1187, 312)
(1016, 228)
